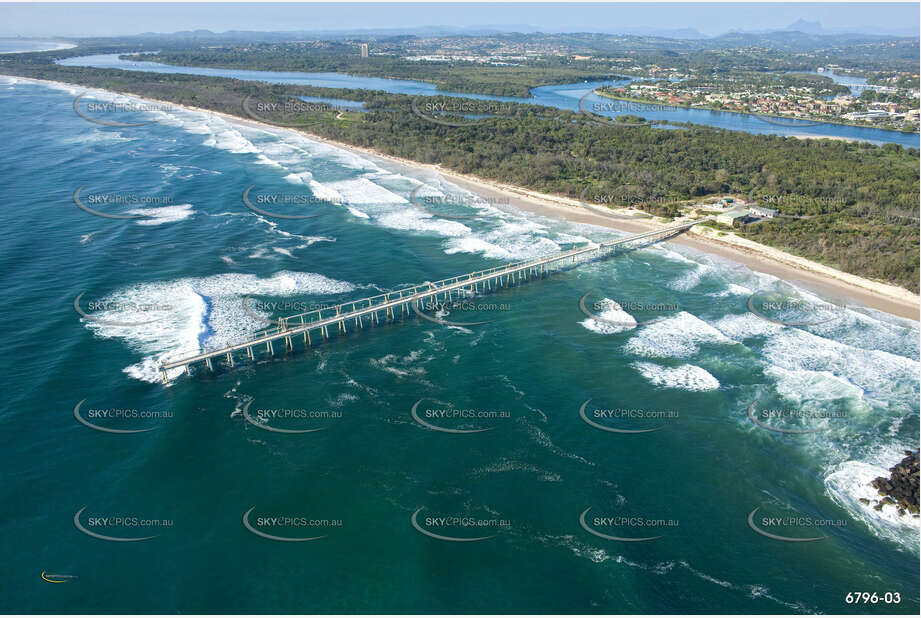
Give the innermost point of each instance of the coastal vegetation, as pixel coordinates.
(456, 76)
(862, 198)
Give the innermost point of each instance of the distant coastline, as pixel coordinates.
(58, 45)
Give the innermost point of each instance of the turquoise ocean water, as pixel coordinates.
(673, 347)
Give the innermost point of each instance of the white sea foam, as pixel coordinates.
(363, 191)
(613, 319)
(85, 238)
(98, 136)
(850, 481)
(684, 377)
(742, 326)
(381, 193)
(510, 465)
(181, 318)
(679, 336)
(883, 377)
(414, 220)
(402, 366)
(871, 330)
(320, 150)
(219, 133)
(573, 239)
(582, 549)
(472, 244)
(544, 440)
(258, 253)
(228, 138)
(733, 289)
(813, 386)
(283, 153)
(325, 193)
(187, 171)
(875, 389)
(163, 214)
(691, 278)
(508, 241)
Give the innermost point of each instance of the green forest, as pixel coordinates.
(460, 76)
(863, 198)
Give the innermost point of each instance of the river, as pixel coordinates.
(562, 96)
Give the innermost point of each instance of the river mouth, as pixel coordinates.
(561, 96)
(629, 411)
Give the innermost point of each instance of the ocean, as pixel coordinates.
(438, 465)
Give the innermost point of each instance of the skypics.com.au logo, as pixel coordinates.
(450, 112)
(122, 112)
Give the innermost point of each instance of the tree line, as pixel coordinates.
(862, 198)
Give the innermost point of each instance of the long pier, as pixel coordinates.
(355, 313)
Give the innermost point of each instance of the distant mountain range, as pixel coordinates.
(801, 27)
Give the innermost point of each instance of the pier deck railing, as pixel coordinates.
(354, 313)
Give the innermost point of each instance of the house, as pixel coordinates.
(761, 211)
(731, 216)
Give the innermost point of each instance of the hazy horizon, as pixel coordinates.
(710, 19)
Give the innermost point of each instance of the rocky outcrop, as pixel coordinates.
(901, 488)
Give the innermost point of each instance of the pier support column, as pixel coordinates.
(208, 364)
(187, 372)
(249, 352)
(229, 359)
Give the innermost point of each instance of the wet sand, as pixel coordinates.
(833, 285)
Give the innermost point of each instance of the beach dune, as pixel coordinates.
(835, 285)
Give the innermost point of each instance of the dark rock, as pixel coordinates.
(901, 488)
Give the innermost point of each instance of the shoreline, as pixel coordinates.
(61, 46)
(816, 121)
(829, 282)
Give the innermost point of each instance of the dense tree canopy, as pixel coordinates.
(862, 198)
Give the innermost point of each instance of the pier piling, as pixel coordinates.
(466, 285)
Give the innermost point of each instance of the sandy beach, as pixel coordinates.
(834, 285)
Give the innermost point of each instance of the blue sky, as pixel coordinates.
(65, 19)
